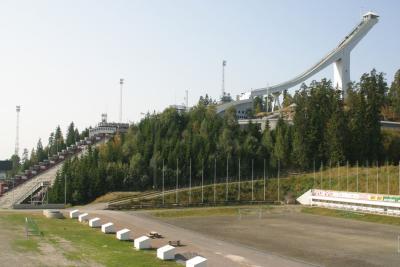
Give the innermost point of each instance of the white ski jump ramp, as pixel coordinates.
(339, 57)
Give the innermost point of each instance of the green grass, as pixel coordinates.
(90, 243)
(383, 180)
(199, 212)
(26, 245)
(353, 215)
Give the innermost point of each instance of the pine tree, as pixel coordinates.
(71, 138)
(394, 94)
(336, 132)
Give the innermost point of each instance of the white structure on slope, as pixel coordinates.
(339, 57)
(361, 202)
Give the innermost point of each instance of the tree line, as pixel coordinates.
(326, 128)
(56, 143)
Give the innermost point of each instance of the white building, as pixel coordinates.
(108, 128)
(360, 202)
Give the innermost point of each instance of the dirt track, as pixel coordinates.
(320, 240)
(218, 252)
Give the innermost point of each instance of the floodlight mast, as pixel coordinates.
(16, 152)
(223, 77)
(121, 82)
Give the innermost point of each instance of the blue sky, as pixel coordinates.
(62, 60)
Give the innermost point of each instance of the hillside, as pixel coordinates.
(291, 186)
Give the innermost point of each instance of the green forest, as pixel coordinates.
(326, 130)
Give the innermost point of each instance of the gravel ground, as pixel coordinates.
(217, 251)
(320, 240)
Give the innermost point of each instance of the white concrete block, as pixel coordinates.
(95, 222)
(197, 261)
(166, 252)
(83, 217)
(74, 214)
(108, 228)
(142, 242)
(124, 234)
(54, 214)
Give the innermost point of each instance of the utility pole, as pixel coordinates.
(121, 83)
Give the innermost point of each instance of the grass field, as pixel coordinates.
(115, 195)
(352, 215)
(203, 212)
(87, 245)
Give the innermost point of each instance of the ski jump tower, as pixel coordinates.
(339, 57)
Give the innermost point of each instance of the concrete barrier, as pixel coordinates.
(123, 234)
(108, 228)
(74, 214)
(53, 214)
(197, 261)
(95, 222)
(142, 242)
(166, 252)
(83, 217)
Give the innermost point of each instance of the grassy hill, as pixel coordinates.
(383, 180)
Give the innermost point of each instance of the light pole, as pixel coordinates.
(190, 181)
(264, 179)
(239, 182)
(227, 179)
(202, 181)
(279, 169)
(163, 170)
(121, 83)
(177, 181)
(65, 190)
(215, 177)
(252, 179)
(320, 172)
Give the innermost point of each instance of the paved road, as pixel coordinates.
(218, 252)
